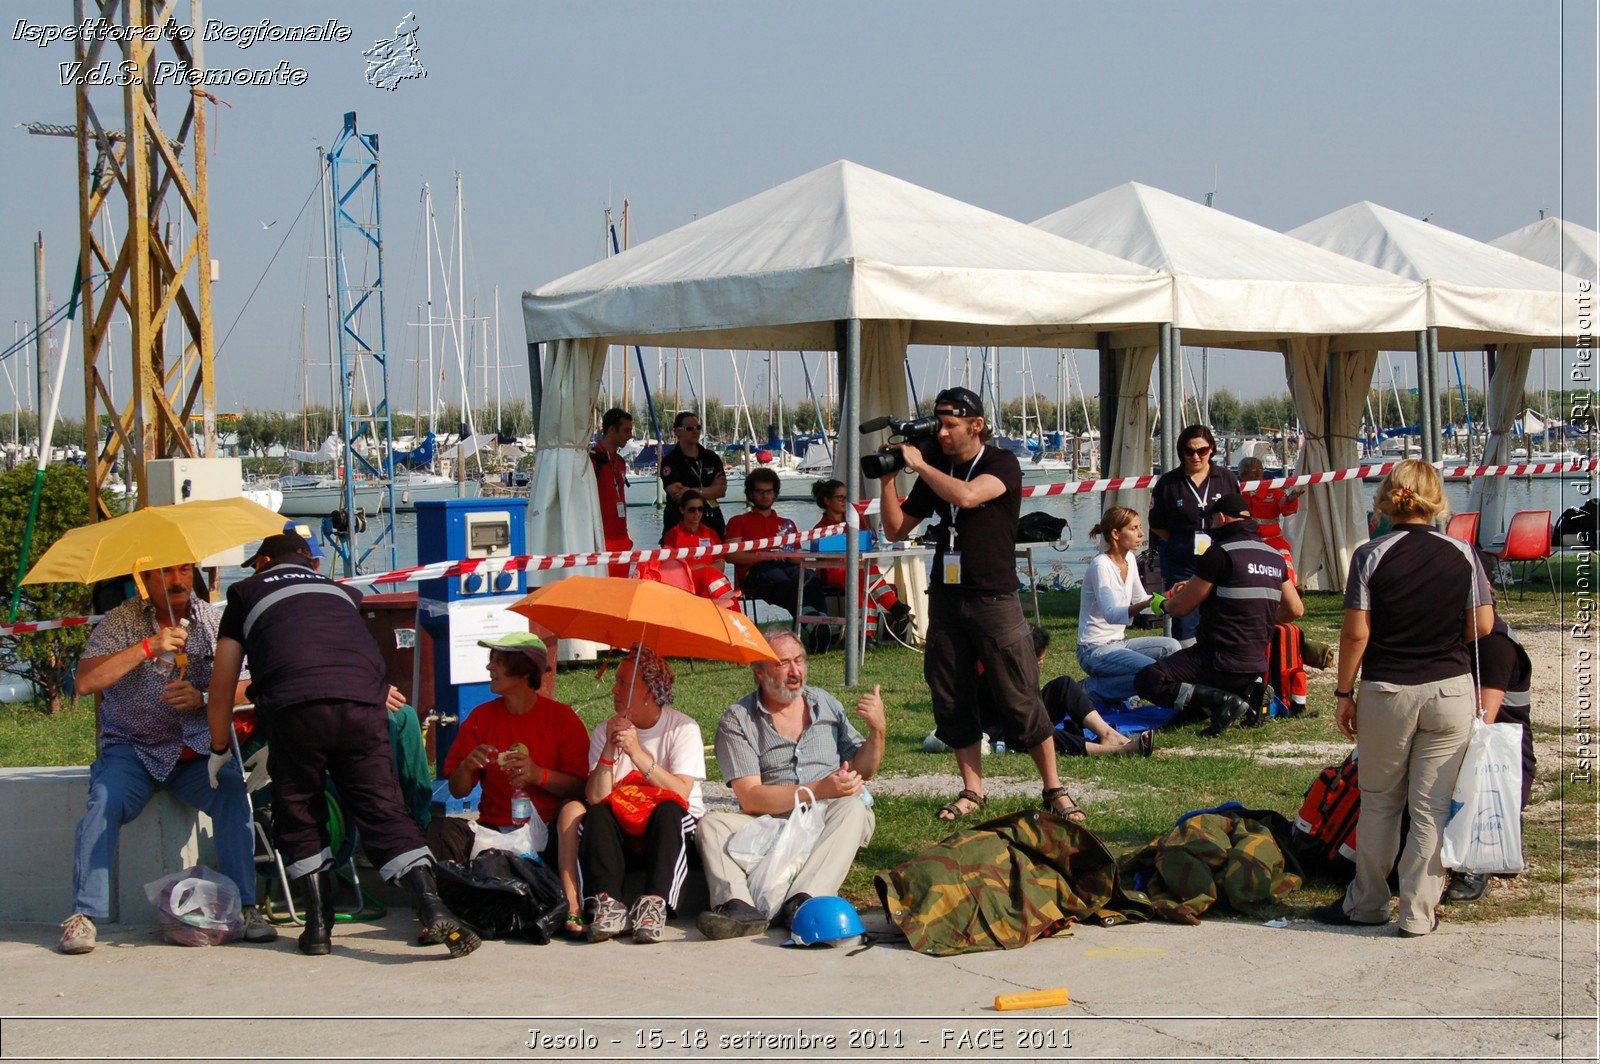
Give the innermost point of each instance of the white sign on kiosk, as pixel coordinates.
(475, 620)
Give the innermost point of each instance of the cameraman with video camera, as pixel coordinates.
(975, 615)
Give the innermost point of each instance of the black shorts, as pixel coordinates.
(964, 630)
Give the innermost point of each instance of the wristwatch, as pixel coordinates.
(1344, 694)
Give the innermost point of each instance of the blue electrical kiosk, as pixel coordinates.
(458, 611)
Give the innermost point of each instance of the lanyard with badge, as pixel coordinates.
(952, 557)
(1202, 541)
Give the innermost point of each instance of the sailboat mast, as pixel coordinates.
(433, 378)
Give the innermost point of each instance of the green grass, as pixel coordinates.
(1130, 800)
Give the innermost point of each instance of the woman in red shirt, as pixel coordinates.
(710, 579)
(831, 496)
(518, 739)
(1267, 506)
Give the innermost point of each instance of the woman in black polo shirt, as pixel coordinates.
(1177, 511)
(1414, 601)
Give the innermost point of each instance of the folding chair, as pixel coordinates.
(1528, 542)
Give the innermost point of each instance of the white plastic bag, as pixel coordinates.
(754, 841)
(528, 840)
(770, 882)
(197, 907)
(1484, 832)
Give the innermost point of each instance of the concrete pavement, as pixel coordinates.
(1229, 988)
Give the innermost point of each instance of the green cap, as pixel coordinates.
(526, 642)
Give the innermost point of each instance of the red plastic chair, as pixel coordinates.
(1528, 542)
(1464, 527)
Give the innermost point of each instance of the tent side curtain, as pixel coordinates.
(563, 509)
(1333, 518)
(1505, 403)
(884, 391)
(1130, 443)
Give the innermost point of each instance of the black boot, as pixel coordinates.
(1256, 697)
(437, 920)
(1222, 707)
(316, 897)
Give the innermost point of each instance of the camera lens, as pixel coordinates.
(879, 464)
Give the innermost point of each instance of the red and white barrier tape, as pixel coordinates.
(27, 627)
(542, 562)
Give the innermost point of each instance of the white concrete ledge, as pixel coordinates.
(39, 813)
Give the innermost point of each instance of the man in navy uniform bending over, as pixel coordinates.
(320, 693)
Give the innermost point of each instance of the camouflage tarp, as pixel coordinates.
(1003, 883)
(1209, 857)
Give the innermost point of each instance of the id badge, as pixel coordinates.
(952, 569)
(1202, 543)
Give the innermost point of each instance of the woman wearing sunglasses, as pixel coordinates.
(1177, 512)
(709, 576)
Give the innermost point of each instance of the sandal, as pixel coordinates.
(1072, 812)
(1147, 743)
(953, 806)
(573, 927)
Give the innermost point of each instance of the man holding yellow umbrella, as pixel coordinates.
(150, 659)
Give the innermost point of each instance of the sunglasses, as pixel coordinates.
(1197, 451)
(694, 509)
(837, 498)
(688, 428)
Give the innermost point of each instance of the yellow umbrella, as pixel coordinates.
(153, 538)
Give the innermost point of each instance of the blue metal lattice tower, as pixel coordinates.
(357, 231)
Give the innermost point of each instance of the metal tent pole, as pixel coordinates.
(850, 444)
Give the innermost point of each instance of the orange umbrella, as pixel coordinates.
(668, 620)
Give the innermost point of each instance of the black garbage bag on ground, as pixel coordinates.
(504, 895)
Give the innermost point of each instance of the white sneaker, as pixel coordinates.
(256, 927)
(77, 934)
(648, 918)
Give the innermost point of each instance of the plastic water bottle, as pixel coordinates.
(521, 806)
(999, 746)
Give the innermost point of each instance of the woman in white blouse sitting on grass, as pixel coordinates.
(1112, 595)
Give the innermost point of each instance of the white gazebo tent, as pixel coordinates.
(1559, 244)
(1478, 297)
(843, 258)
(1238, 284)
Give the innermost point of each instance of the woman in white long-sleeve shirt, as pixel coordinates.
(1112, 595)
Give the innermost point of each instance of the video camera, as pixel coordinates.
(921, 431)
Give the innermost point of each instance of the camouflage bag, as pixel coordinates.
(1003, 883)
(1208, 858)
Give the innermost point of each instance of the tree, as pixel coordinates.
(43, 658)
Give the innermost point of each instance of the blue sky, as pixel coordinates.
(1474, 114)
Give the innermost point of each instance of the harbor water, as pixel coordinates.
(1054, 567)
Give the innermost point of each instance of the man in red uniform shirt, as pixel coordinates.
(611, 482)
(777, 582)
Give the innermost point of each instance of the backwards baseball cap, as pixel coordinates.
(519, 643)
(962, 402)
(1230, 505)
(295, 538)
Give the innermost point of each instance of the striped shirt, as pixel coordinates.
(749, 745)
(1418, 584)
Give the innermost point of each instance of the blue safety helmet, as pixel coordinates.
(822, 920)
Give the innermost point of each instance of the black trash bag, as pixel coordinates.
(504, 895)
(1040, 527)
